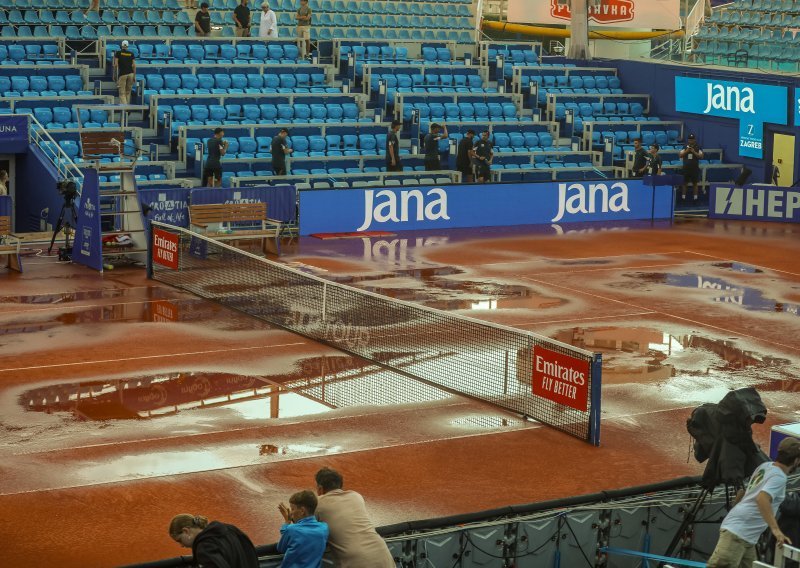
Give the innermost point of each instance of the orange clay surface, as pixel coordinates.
(124, 402)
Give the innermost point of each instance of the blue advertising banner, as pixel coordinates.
(281, 200)
(752, 104)
(427, 207)
(13, 134)
(755, 202)
(170, 206)
(87, 248)
(6, 206)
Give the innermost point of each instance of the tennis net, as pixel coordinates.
(531, 375)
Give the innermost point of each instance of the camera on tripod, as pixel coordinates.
(68, 189)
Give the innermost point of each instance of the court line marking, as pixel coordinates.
(583, 319)
(145, 357)
(79, 306)
(616, 268)
(549, 258)
(665, 314)
(742, 262)
(86, 291)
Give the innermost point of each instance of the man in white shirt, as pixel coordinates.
(352, 538)
(755, 510)
(268, 27)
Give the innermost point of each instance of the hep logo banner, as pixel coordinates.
(605, 12)
(561, 378)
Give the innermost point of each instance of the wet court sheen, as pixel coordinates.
(175, 404)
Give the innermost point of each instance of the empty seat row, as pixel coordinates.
(206, 83)
(320, 7)
(305, 146)
(429, 82)
(514, 56)
(65, 117)
(402, 34)
(29, 51)
(263, 114)
(78, 17)
(41, 85)
(89, 32)
(573, 81)
(464, 112)
(521, 141)
(594, 109)
(196, 53)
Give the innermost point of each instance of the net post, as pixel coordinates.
(149, 239)
(594, 417)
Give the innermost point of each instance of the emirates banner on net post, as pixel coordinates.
(647, 14)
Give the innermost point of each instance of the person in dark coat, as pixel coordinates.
(789, 523)
(215, 544)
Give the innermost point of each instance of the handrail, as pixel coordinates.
(697, 16)
(66, 168)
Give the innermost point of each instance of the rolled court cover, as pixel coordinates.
(537, 377)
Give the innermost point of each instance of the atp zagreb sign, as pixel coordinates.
(752, 104)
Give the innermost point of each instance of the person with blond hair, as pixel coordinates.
(214, 544)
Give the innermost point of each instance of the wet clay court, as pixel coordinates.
(125, 401)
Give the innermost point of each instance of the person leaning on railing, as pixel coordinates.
(215, 544)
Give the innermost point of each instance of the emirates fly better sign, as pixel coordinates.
(561, 378)
(649, 14)
(165, 248)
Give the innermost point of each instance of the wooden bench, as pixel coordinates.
(9, 244)
(229, 215)
(96, 145)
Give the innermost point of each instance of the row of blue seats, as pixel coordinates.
(514, 56)
(65, 117)
(543, 94)
(588, 110)
(648, 137)
(82, 5)
(434, 82)
(746, 34)
(263, 114)
(41, 86)
(30, 51)
(209, 52)
(462, 112)
(331, 145)
(91, 33)
(768, 5)
(402, 34)
(600, 81)
(35, 17)
(205, 83)
(755, 19)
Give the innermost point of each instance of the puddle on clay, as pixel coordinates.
(487, 422)
(149, 293)
(638, 355)
(738, 267)
(751, 299)
(315, 385)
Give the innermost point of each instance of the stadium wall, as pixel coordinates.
(36, 190)
(658, 80)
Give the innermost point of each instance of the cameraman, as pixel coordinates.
(691, 156)
(212, 172)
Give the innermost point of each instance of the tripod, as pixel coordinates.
(64, 223)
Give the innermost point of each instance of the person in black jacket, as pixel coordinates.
(215, 544)
(789, 523)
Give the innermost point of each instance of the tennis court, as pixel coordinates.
(126, 400)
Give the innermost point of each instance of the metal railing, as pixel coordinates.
(65, 167)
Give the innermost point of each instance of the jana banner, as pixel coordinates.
(752, 104)
(489, 205)
(13, 134)
(755, 202)
(647, 14)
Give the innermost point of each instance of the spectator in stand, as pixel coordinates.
(465, 156)
(303, 537)
(241, 17)
(125, 67)
(484, 154)
(433, 160)
(202, 21)
(353, 539)
(303, 18)
(212, 172)
(639, 159)
(215, 544)
(268, 26)
(94, 5)
(393, 163)
(691, 155)
(280, 149)
(653, 161)
(755, 510)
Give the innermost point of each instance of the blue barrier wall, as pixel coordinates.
(36, 180)
(496, 205)
(658, 80)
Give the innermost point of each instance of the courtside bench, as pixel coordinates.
(224, 221)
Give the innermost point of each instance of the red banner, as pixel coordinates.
(645, 14)
(561, 378)
(165, 248)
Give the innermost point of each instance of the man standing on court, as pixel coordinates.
(484, 154)
(755, 510)
(691, 156)
(241, 16)
(268, 26)
(393, 163)
(430, 145)
(303, 18)
(352, 538)
(125, 65)
(464, 156)
(280, 149)
(639, 159)
(212, 172)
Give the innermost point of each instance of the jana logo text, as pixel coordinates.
(576, 198)
(729, 98)
(386, 205)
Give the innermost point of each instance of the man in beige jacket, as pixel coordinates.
(353, 539)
